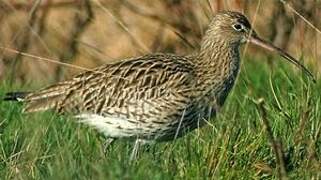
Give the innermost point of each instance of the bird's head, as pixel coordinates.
(233, 29)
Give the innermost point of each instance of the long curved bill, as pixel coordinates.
(262, 43)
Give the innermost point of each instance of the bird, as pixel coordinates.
(155, 97)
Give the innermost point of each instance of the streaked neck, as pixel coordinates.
(217, 64)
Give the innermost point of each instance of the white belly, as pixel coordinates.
(110, 126)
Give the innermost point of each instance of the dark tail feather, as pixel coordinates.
(15, 96)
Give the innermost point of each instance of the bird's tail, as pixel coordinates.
(15, 96)
(44, 99)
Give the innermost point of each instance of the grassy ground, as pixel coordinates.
(235, 146)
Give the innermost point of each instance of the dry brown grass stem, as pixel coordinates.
(44, 59)
(253, 23)
(28, 6)
(172, 25)
(25, 42)
(80, 25)
(142, 47)
(275, 143)
(301, 16)
(54, 61)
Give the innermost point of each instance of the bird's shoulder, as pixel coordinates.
(144, 71)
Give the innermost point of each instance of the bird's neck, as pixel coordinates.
(217, 65)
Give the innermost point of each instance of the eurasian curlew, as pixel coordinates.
(156, 97)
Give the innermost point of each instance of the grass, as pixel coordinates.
(235, 145)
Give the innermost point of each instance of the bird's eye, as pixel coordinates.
(238, 27)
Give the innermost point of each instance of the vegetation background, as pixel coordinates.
(275, 138)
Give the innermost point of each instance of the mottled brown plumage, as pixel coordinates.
(158, 96)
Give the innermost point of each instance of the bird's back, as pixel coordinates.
(147, 97)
